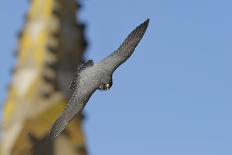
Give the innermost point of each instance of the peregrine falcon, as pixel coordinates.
(90, 77)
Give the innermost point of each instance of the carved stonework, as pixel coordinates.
(50, 47)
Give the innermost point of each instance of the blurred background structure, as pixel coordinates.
(50, 47)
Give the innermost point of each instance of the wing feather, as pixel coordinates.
(125, 50)
(75, 105)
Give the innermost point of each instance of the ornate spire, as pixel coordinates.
(50, 47)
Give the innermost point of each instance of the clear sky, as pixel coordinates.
(173, 96)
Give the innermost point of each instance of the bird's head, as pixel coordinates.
(106, 83)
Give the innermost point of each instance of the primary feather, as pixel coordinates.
(125, 50)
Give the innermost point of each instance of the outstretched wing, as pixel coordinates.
(75, 105)
(125, 50)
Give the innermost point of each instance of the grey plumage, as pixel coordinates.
(91, 77)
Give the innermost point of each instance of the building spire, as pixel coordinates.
(50, 47)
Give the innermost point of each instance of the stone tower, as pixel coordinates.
(50, 47)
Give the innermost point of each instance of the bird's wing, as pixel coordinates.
(125, 50)
(75, 105)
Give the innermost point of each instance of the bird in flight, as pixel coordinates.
(90, 77)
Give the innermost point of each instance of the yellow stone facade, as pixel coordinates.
(50, 47)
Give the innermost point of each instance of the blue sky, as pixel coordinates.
(173, 96)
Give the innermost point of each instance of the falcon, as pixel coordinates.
(90, 77)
